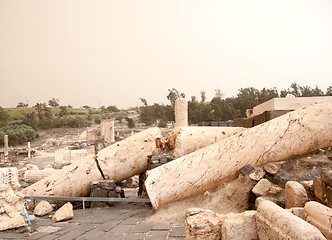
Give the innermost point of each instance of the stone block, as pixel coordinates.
(262, 187)
(295, 194)
(204, 225)
(42, 208)
(64, 213)
(271, 168)
(274, 222)
(326, 177)
(241, 226)
(320, 216)
(257, 174)
(328, 197)
(319, 188)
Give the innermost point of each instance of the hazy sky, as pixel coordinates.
(114, 52)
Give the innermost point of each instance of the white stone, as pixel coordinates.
(64, 213)
(271, 168)
(274, 222)
(240, 226)
(262, 187)
(295, 194)
(203, 226)
(43, 208)
(181, 112)
(320, 216)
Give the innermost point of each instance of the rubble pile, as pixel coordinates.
(269, 221)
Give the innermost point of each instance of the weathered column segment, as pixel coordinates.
(298, 132)
(185, 140)
(181, 112)
(116, 162)
(274, 222)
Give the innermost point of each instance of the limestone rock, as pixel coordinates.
(42, 208)
(299, 212)
(271, 168)
(295, 195)
(203, 226)
(257, 174)
(64, 213)
(319, 188)
(194, 211)
(326, 177)
(240, 226)
(262, 187)
(274, 222)
(320, 216)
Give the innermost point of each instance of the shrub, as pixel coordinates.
(17, 134)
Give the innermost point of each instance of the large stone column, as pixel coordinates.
(107, 130)
(181, 112)
(5, 141)
(296, 133)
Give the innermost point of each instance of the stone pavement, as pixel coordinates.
(123, 221)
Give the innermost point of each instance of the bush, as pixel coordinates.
(17, 134)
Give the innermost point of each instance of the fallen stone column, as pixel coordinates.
(185, 140)
(117, 162)
(32, 176)
(320, 216)
(274, 222)
(295, 133)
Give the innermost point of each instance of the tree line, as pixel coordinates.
(219, 108)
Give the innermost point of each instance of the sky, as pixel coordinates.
(108, 52)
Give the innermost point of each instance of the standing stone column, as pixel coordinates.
(5, 141)
(181, 112)
(107, 130)
(29, 150)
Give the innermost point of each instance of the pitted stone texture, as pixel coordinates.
(64, 213)
(262, 187)
(204, 225)
(274, 222)
(320, 216)
(240, 226)
(42, 208)
(295, 194)
(271, 168)
(257, 174)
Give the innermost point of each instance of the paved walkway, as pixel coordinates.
(121, 222)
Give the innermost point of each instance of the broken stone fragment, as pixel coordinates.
(204, 225)
(239, 226)
(64, 213)
(257, 174)
(42, 208)
(271, 168)
(262, 187)
(295, 195)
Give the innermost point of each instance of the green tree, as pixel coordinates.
(329, 91)
(130, 121)
(22, 105)
(3, 116)
(53, 102)
(174, 94)
(63, 111)
(203, 96)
